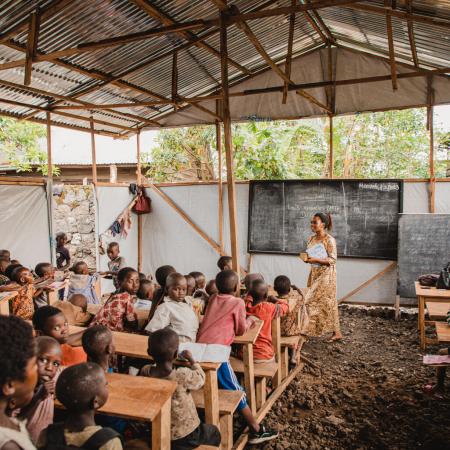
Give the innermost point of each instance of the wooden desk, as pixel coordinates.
(141, 398)
(428, 295)
(5, 297)
(437, 311)
(443, 332)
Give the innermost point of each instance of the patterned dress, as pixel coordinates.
(321, 296)
(22, 305)
(114, 312)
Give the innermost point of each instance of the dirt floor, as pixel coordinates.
(366, 392)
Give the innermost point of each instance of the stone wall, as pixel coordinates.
(74, 214)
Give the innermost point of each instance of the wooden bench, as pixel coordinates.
(443, 332)
(228, 403)
(286, 343)
(437, 311)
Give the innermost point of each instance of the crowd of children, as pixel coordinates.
(181, 308)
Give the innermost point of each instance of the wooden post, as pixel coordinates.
(94, 158)
(219, 182)
(139, 182)
(390, 36)
(231, 188)
(49, 147)
(331, 162)
(430, 127)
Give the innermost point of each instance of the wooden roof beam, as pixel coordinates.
(412, 41)
(32, 42)
(391, 51)
(289, 52)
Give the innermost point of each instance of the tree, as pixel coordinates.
(19, 141)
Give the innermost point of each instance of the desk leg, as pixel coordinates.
(4, 308)
(422, 322)
(52, 297)
(211, 393)
(249, 376)
(161, 428)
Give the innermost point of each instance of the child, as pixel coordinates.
(5, 254)
(80, 282)
(75, 310)
(225, 263)
(198, 304)
(190, 285)
(211, 288)
(115, 263)
(176, 312)
(50, 321)
(39, 413)
(62, 253)
(266, 311)
(248, 283)
(146, 290)
(22, 305)
(4, 263)
(161, 275)
(18, 378)
(118, 312)
(224, 319)
(99, 346)
(200, 281)
(82, 389)
(187, 432)
(44, 271)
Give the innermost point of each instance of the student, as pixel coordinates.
(5, 254)
(81, 282)
(23, 305)
(190, 285)
(266, 311)
(18, 378)
(142, 276)
(187, 432)
(10, 269)
(82, 389)
(225, 263)
(75, 310)
(4, 263)
(211, 288)
(146, 290)
(176, 311)
(44, 271)
(99, 346)
(118, 312)
(62, 253)
(200, 281)
(50, 321)
(39, 412)
(115, 263)
(225, 318)
(161, 275)
(248, 283)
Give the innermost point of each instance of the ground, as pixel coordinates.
(365, 392)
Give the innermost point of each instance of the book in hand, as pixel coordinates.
(215, 353)
(436, 359)
(143, 304)
(317, 251)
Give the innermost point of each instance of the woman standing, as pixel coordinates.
(321, 297)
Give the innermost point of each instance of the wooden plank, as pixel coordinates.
(250, 336)
(391, 50)
(443, 332)
(412, 41)
(438, 311)
(276, 343)
(435, 294)
(219, 183)
(288, 62)
(331, 152)
(160, 430)
(49, 146)
(175, 80)
(430, 126)
(93, 153)
(32, 41)
(249, 377)
(211, 397)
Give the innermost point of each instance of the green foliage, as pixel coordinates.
(19, 141)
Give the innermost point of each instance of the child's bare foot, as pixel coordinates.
(337, 336)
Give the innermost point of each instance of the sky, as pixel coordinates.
(74, 147)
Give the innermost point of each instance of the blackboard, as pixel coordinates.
(424, 247)
(365, 215)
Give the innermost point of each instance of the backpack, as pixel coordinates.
(430, 279)
(444, 278)
(57, 441)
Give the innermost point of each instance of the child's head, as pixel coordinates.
(79, 300)
(113, 250)
(15, 261)
(128, 279)
(176, 287)
(44, 270)
(250, 278)
(49, 356)
(282, 285)
(98, 343)
(142, 276)
(50, 321)
(61, 239)
(163, 345)
(4, 263)
(225, 263)
(22, 276)
(146, 290)
(5, 254)
(18, 369)
(80, 268)
(258, 291)
(227, 282)
(10, 269)
(82, 388)
(190, 284)
(200, 280)
(211, 288)
(162, 273)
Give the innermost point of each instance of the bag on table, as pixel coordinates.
(430, 279)
(444, 278)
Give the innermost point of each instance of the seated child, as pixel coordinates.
(146, 290)
(115, 263)
(80, 282)
(187, 432)
(266, 311)
(190, 285)
(198, 303)
(248, 283)
(18, 378)
(142, 276)
(224, 319)
(176, 311)
(62, 253)
(200, 281)
(44, 271)
(39, 412)
(200, 297)
(4, 263)
(82, 389)
(50, 321)
(75, 310)
(161, 275)
(5, 254)
(118, 312)
(99, 346)
(225, 263)
(211, 288)
(22, 305)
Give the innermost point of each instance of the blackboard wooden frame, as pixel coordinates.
(252, 183)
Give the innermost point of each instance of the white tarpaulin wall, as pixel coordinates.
(168, 239)
(24, 228)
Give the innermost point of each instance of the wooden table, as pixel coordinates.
(437, 311)
(428, 296)
(5, 297)
(443, 332)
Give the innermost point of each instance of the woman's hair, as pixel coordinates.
(161, 275)
(326, 219)
(123, 273)
(10, 269)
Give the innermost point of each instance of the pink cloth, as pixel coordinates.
(224, 319)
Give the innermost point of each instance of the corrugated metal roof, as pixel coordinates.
(142, 70)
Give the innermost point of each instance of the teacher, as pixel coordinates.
(320, 299)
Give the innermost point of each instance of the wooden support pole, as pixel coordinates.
(139, 182)
(175, 80)
(331, 153)
(94, 158)
(49, 146)
(33, 33)
(412, 41)
(231, 188)
(391, 50)
(219, 183)
(289, 53)
(430, 126)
